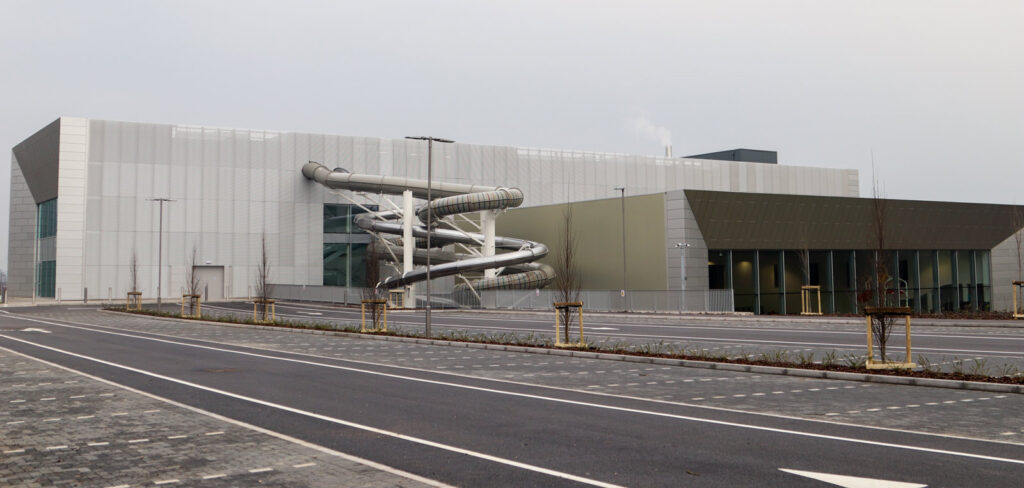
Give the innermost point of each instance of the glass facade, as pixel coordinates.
(744, 280)
(46, 259)
(47, 212)
(344, 246)
(928, 281)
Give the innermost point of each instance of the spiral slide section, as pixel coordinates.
(521, 272)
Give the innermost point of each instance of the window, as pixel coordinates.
(344, 246)
(47, 221)
(338, 218)
(46, 262)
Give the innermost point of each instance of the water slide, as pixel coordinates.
(520, 270)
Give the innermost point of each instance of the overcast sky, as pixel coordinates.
(931, 89)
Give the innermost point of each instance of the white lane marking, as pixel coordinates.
(120, 486)
(32, 329)
(96, 444)
(137, 441)
(213, 433)
(852, 481)
(97, 329)
(254, 428)
(14, 451)
(166, 482)
(417, 440)
(214, 476)
(260, 470)
(15, 422)
(508, 393)
(311, 313)
(304, 465)
(55, 448)
(602, 328)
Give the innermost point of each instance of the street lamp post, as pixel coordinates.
(622, 201)
(682, 273)
(160, 249)
(430, 212)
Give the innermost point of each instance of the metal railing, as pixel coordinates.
(597, 300)
(606, 300)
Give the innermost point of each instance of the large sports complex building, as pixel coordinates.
(83, 190)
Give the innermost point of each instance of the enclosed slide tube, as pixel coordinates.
(450, 199)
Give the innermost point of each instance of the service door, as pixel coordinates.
(211, 282)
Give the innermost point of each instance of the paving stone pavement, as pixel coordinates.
(934, 410)
(60, 428)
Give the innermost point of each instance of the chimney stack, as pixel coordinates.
(668, 151)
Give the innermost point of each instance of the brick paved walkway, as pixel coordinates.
(60, 428)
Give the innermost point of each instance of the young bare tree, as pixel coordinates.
(192, 283)
(1018, 236)
(880, 280)
(1017, 217)
(371, 291)
(191, 277)
(804, 255)
(263, 282)
(567, 273)
(133, 273)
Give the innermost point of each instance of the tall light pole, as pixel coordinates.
(622, 200)
(682, 272)
(160, 249)
(430, 211)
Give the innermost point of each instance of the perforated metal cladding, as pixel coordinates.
(232, 186)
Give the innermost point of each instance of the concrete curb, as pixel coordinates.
(686, 363)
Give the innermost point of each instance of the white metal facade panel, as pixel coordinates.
(21, 243)
(232, 186)
(72, 170)
(1004, 271)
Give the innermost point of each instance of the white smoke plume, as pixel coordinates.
(642, 126)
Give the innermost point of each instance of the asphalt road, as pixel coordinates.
(997, 349)
(471, 431)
